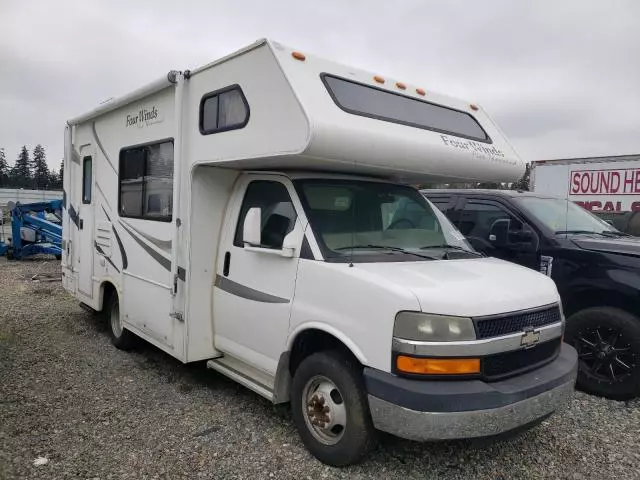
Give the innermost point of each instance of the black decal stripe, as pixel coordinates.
(163, 261)
(161, 244)
(182, 273)
(123, 254)
(239, 290)
(106, 200)
(105, 212)
(73, 215)
(95, 136)
(101, 252)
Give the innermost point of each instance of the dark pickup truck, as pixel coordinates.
(595, 266)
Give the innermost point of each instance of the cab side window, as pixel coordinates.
(489, 226)
(478, 218)
(278, 213)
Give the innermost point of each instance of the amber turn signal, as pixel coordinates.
(438, 366)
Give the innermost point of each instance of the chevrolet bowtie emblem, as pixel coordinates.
(530, 337)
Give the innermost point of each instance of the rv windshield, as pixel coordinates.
(368, 221)
(565, 218)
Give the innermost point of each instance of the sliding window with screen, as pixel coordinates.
(373, 102)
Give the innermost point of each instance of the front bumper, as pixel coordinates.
(441, 410)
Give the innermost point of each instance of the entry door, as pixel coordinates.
(254, 287)
(85, 247)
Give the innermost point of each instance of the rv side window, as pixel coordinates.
(86, 180)
(146, 181)
(373, 102)
(223, 110)
(278, 213)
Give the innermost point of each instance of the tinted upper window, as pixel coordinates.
(86, 179)
(278, 214)
(369, 101)
(146, 181)
(223, 110)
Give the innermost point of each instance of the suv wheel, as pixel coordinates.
(608, 344)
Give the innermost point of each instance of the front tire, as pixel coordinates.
(330, 409)
(608, 344)
(120, 336)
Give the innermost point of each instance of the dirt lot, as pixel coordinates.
(83, 409)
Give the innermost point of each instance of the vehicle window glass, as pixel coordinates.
(375, 221)
(369, 101)
(278, 215)
(223, 110)
(441, 203)
(86, 179)
(146, 181)
(479, 219)
(560, 215)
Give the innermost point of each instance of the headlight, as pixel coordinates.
(433, 328)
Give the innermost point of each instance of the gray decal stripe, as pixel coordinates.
(165, 262)
(239, 290)
(95, 136)
(123, 254)
(73, 215)
(162, 244)
(101, 252)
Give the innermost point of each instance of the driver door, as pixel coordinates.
(254, 285)
(495, 231)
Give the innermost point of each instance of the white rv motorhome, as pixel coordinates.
(255, 213)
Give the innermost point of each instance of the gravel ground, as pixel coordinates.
(90, 411)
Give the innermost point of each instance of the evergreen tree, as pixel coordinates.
(40, 169)
(523, 183)
(4, 170)
(61, 174)
(20, 174)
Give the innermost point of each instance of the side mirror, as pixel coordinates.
(499, 232)
(252, 227)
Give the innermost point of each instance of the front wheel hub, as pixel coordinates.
(324, 410)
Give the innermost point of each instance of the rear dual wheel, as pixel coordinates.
(120, 336)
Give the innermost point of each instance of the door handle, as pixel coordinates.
(80, 224)
(226, 265)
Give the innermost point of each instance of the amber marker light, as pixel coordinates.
(438, 366)
(298, 56)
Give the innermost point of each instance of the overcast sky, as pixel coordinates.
(562, 78)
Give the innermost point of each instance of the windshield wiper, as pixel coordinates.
(386, 247)
(452, 247)
(604, 233)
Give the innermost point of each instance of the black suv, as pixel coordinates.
(595, 266)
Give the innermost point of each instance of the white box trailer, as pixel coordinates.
(252, 213)
(599, 184)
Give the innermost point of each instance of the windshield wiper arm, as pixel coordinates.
(386, 247)
(453, 247)
(604, 233)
